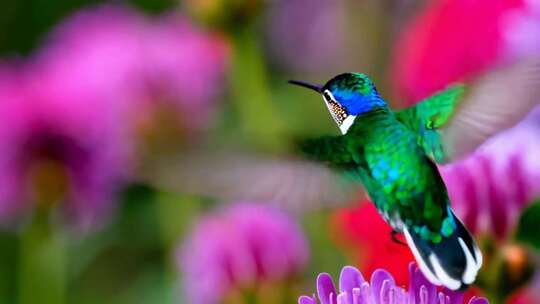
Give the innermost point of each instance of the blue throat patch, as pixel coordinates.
(356, 103)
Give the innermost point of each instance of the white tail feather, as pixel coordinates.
(421, 263)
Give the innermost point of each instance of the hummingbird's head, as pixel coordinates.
(347, 96)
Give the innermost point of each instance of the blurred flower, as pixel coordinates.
(164, 72)
(435, 50)
(521, 30)
(57, 147)
(489, 188)
(369, 237)
(294, 32)
(382, 289)
(69, 114)
(238, 248)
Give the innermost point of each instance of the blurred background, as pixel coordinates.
(148, 148)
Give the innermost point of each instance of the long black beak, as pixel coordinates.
(314, 87)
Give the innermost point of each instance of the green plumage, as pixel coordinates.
(392, 153)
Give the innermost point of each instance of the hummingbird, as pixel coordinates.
(394, 154)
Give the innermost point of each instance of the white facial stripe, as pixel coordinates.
(327, 102)
(344, 122)
(347, 123)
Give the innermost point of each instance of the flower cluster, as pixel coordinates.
(381, 289)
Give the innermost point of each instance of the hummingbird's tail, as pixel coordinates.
(453, 262)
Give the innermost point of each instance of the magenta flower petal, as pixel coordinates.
(454, 297)
(307, 300)
(420, 288)
(478, 301)
(381, 283)
(326, 289)
(349, 279)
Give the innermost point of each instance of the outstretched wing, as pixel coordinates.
(455, 121)
(429, 116)
(292, 184)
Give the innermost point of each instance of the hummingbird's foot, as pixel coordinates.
(393, 235)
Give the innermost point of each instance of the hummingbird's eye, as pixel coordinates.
(327, 96)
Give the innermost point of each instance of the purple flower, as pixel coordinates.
(354, 289)
(240, 247)
(58, 148)
(489, 188)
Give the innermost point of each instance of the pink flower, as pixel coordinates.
(239, 247)
(452, 40)
(521, 30)
(140, 61)
(489, 188)
(57, 147)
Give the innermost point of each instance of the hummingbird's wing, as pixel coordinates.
(331, 150)
(293, 184)
(455, 121)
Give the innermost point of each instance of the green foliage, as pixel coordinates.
(8, 267)
(132, 259)
(24, 23)
(325, 256)
(527, 231)
(42, 263)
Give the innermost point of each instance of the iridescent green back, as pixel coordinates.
(401, 180)
(393, 153)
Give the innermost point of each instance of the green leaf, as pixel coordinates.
(42, 263)
(325, 255)
(527, 231)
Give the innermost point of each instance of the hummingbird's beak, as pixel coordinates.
(314, 87)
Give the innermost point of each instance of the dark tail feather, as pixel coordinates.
(453, 262)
